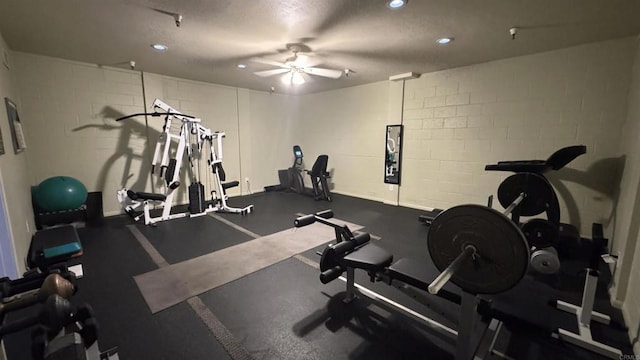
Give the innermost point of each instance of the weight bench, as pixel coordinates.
(352, 252)
(53, 246)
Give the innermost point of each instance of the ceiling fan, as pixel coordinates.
(295, 67)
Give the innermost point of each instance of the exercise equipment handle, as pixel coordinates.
(515, 203)
(137, 114)
(444, 277)
(311, 218)
(156, 114)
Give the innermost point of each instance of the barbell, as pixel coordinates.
(478, 248)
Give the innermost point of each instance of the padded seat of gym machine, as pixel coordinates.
(230, 184)
(369, 257)
(420, 275)
(133, 195)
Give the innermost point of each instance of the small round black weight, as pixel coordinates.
(538, 191)
(502, 250)
(540, 233)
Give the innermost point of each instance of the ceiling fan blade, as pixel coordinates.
(306, 60)
(270, 62)
(330, 73)
(271, 72)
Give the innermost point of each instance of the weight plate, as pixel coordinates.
(540, 233)
(545, 261)
(503, 252)
(538, 190)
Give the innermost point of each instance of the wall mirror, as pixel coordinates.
(393, 154)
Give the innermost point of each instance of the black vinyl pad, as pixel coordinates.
(145, 196)
(369, 257)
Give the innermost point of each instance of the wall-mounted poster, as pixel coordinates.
(17, 135)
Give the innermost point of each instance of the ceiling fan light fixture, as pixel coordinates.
(396, 4)
(297, 79)
(159, 47)
(444, 40)
(241, 66)
(293, 78)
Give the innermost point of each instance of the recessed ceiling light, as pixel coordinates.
(159, 47)
(241, 66)
(396, 4)
(445, 40)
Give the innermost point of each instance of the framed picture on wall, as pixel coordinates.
(17, 135)
(1, 143)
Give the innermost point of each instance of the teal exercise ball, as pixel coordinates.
(60, 193)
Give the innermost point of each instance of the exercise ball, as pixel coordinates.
(60, 193)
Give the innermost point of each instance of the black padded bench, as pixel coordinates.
(53, 246)
(418, 274)
(374, 259)
(369, 257)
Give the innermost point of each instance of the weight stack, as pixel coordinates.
(197, 202)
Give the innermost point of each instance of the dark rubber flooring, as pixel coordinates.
(283, 311)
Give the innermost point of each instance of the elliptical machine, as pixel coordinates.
(292, 179)
(296, 180)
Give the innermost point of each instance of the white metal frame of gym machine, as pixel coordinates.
(192, 138)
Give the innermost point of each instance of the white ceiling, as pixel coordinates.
(362, 35)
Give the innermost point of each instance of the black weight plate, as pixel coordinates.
(538, 190)
(540, 233)
(503, 252)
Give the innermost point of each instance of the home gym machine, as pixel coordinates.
(475, 247)
(181, 135)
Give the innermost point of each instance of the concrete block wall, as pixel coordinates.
(14, 178)
(349, 126)
(626, 284)
(69, 117)
(459, 120)
(267, 123)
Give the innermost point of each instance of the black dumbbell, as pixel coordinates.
(53, 284)
(56, 313)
